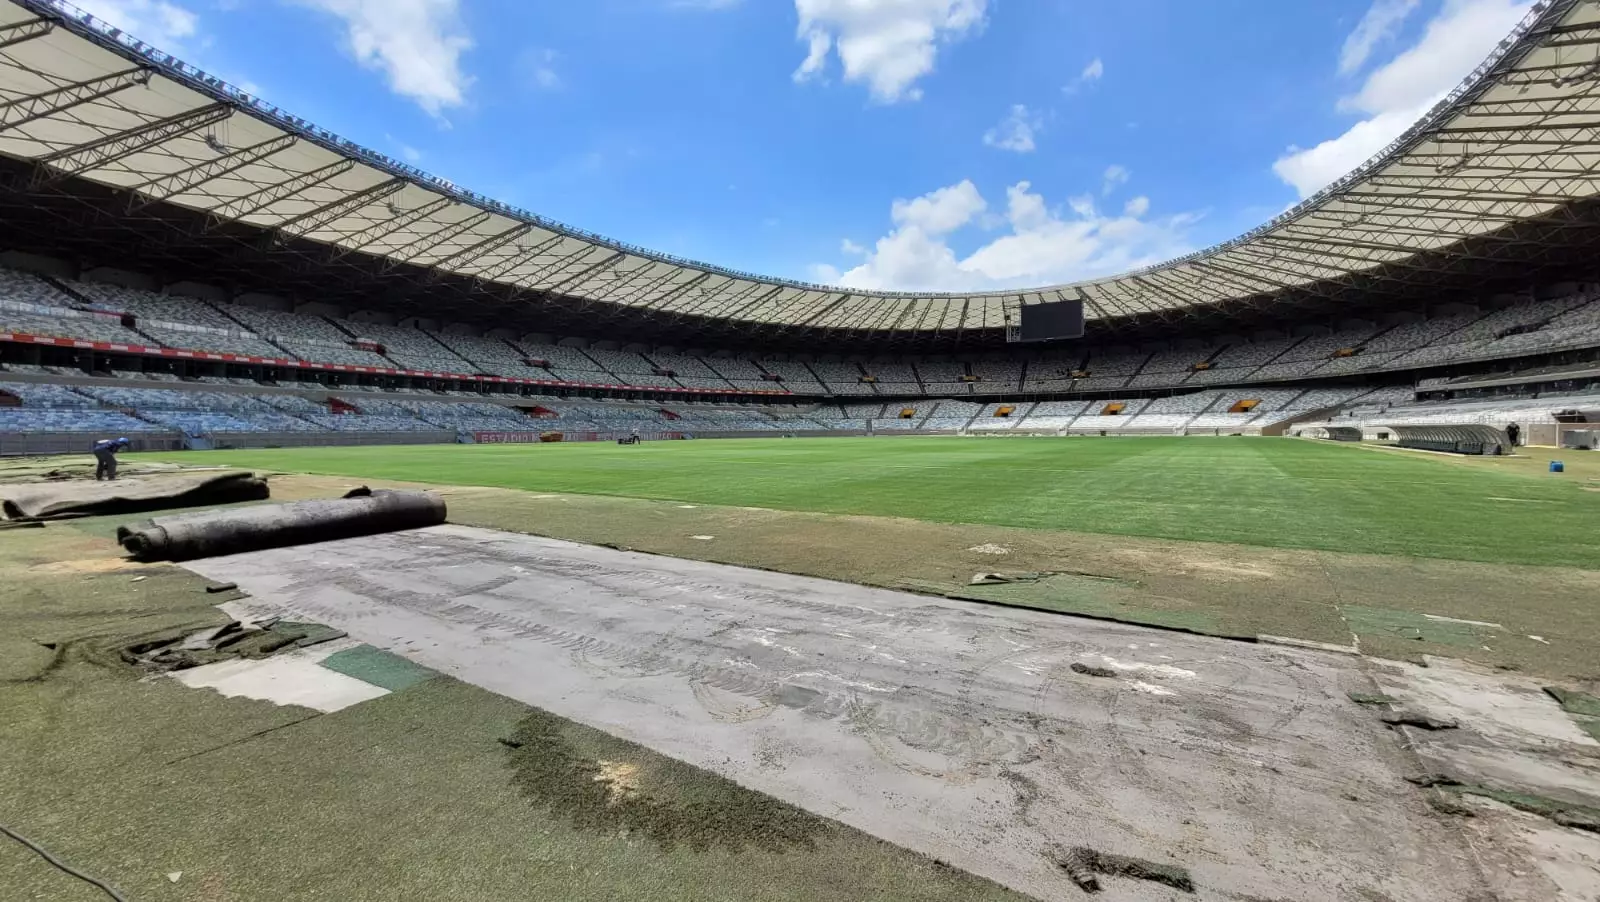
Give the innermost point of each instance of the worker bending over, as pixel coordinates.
(105, 456)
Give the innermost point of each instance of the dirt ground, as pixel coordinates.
(1534, 619)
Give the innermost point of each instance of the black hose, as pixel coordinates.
(92, 881)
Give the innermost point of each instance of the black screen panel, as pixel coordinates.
(1049, 322)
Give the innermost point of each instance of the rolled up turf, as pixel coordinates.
(187, 537)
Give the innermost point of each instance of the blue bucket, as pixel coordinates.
(1557, 466)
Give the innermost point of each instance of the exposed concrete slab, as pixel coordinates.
(955, 729)
(292, 678)
(1512, 735)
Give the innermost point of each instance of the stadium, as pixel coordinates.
(1337, 464)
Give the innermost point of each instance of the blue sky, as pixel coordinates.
(908, 144)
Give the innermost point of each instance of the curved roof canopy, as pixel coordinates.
(1518, 141)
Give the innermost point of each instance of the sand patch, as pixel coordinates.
(621, 779)
(1184, 562)
(90, 565)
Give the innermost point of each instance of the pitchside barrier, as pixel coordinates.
(320, 439)
(40, 443)
(558, 435)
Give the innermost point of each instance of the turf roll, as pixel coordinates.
(363, 512)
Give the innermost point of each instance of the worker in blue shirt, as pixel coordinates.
(105, 455)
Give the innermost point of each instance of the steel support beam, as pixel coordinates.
(710, 298)
(381, 230)
(314, 219)
(526, 280)
(25, 31)
(256, 201)
(616, 292)
(23, 110)
(426, 243)
(757, 301)
(64, 164)
(607, 263)
(676, 290)
(497, 271)
(167, 187)
(483, 245)
(627, 293)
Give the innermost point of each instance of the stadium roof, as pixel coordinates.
(1492, 181)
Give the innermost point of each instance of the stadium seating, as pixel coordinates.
(305, 337)
(842, 378)
(150, 305)
(628, 367)
(178, 322)
(101, 422)
(990, 420)
(1523, 411)
(27, 288)
(871, 410)
(567, 364)
(898, 373)
(797, 376)
(1052, 415)
(941, 371)
(688, 371)
(997, 376)
(1167, 368)
(408, 348)
(62, 322)
(493, 356)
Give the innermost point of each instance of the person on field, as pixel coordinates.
(1514, 432)
(105, 456)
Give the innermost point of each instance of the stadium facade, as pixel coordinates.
(250, 245)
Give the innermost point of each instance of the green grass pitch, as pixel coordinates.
(1266, 492)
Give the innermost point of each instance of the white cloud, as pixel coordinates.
(1091, 73)
(942, 211)
(538, 66)
(889, 44)
(1041, 245)
(1399, 92)
(1016, 131)
(824, 273)
(156, 22)
(1115, 176)
(1378, 26)
(417, 44)
(850, 248)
